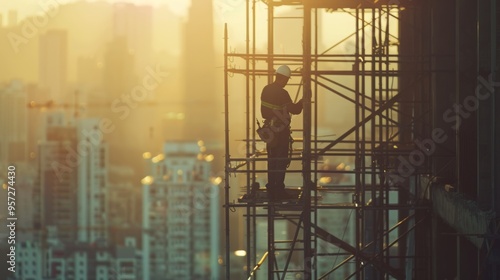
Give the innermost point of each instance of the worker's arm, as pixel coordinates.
(294, 108)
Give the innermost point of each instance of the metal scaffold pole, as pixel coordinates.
(363, 83)
(306, 154)
(227, 160)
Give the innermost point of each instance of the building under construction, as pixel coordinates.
(418, 80)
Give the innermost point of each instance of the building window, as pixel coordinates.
(180, 176)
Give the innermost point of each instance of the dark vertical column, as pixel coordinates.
(271, 260)
(254, 110)
(270, 41)
(270, 68)
(434, 246)
(496, 181)
(495, 269)
(249, 121)
(306, 160)
(467, 259)
(486, 47)
(360, 151)
(465, 112)
(420, 242)
(227, 161)
(370, 217)
(409, 82)
(488, 129)
(465, 120)
(443, 83)
(496, 101)
(357, 66)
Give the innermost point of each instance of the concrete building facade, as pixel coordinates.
(180, 215)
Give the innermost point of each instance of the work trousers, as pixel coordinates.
(277, 160)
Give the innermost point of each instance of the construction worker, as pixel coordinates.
(276, 107)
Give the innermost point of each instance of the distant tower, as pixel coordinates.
(53, 64)
(57, 188)
(136, 25)
(92, 182)
(180, 215)
(118, 74)
(72, 181)
(13, 124)
(201, 100)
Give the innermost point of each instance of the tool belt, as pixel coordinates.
(265, 132)
(276, 125)
(269, 130)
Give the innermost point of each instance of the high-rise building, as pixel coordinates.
(53, 64)
(92, 182)
(29, 260)
(135, 23)
(202, 118)
(180, 215)
(72, 181)
(76, 261)
(118, 73)
(118, 80)
(58, 183)
(13, 123)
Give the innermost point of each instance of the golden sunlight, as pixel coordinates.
(179, 7)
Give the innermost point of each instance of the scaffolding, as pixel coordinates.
(382, 80)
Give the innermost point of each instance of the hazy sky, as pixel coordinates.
(27, 7)
(222, 8)
(225, 11)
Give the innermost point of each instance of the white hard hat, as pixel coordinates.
(284, 70)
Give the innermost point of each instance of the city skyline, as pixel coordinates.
(27, 7)
(134, 77)
(88, 156)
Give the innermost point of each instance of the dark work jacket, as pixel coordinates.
(276, 104)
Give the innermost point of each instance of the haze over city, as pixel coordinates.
(131, 144)
(93, 93)
(105, 102)
(105, 50)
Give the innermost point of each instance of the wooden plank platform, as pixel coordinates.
(261, 195)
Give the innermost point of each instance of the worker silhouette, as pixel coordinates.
(276, 109)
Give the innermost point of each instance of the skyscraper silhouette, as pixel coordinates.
(53, 62)
(200, 106)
